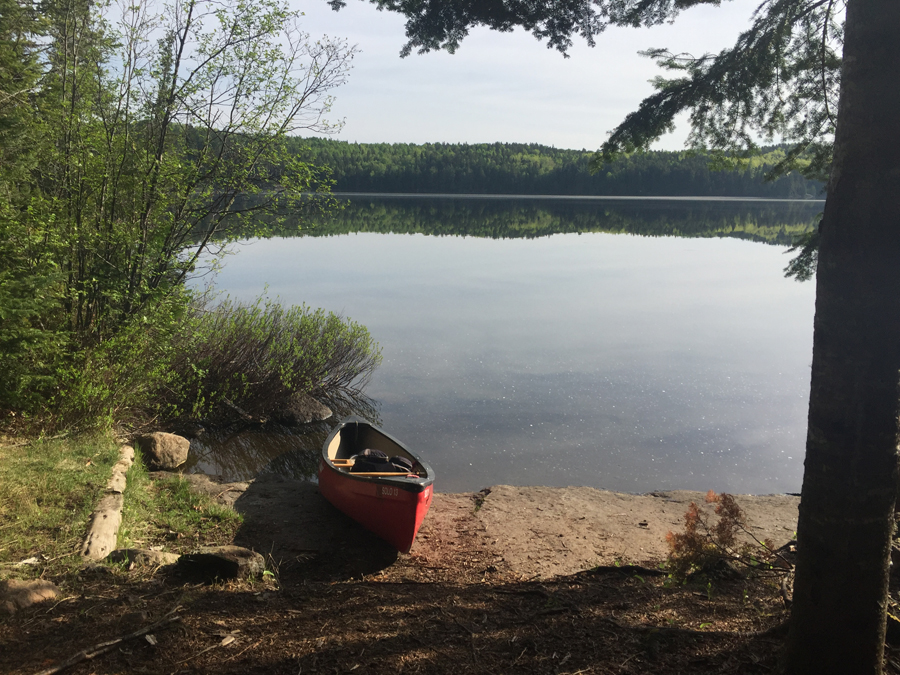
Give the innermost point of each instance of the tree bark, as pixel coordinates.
(851, 470)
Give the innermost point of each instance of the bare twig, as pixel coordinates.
(223, 643)
(103, 647)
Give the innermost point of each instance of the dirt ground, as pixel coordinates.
(509, 580)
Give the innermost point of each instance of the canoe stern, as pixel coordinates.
(391, 509)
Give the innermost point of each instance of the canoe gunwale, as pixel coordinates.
(406, 482)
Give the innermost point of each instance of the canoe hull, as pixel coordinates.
(392, 507)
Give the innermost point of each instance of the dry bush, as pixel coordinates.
(707, 542)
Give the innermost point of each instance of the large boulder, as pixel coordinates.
(15, 594)
(164, 451)
(211, 563)
(302, 409)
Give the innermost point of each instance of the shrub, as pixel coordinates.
(182, 359)
(256, 357)
(706, 543)
(121, 380)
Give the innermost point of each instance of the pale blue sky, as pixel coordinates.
(505, 87)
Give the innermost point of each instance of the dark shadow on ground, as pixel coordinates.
(299, 532)
(601, 623)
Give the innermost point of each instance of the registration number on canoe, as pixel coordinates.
(388, 491)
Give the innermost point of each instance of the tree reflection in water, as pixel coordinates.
(242, 451)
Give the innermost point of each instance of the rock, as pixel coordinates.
(164, 451)
(302, 409)
(16, 595)
(141, 556)
(222, 562)
(118, 480)
(190, 430)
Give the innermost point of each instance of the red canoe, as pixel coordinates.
(391, 503)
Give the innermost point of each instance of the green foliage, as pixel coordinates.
(185, 360)
(254, 358)
(803, 266)
(127, 144)
(154, 144)
(120, 380)
(780, 80)
(29, 283)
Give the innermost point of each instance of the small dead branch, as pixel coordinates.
(227, 640)
(103, 647)
(240, 411)
(234, 656)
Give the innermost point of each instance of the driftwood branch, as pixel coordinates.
(103, 647)
(247, 417)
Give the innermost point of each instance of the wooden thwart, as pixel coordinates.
(381, 473)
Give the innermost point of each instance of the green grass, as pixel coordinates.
(49, 489)
(167, 514)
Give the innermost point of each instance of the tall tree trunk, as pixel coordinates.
(851, 470)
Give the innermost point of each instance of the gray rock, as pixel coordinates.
(143, 557)
(164, 451)
(190, 430)
(16, 595)
(302, 409)
(222, 562)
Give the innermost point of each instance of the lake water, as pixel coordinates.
(563, 342)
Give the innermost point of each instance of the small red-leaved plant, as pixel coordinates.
(707, 540)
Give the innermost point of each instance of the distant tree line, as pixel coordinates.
(518, 168)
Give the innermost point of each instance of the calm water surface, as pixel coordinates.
(615, 360)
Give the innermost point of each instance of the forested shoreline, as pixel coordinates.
(533, 169)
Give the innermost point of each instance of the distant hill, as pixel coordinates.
(515, 168)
